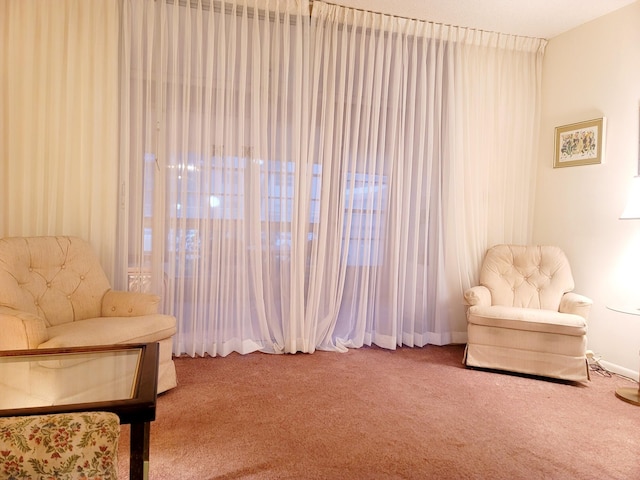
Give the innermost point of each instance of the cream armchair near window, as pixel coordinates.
(55, 294)
(524, 317)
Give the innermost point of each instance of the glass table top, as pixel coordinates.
(42, 378)
(628, 309)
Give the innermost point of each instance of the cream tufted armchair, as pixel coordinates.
(55, 294)
(523, 317)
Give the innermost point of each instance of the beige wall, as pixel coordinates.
(589, 72)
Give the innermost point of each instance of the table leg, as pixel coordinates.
(139, 451)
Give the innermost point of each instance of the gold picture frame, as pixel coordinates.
(579, 143)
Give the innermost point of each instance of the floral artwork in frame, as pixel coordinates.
(579, 143)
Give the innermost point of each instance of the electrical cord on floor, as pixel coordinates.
(596, 367)
(599, 369)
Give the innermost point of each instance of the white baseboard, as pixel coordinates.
(625, 372)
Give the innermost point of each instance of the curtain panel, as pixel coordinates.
(300, 179)
(214, 160)
(59, 121)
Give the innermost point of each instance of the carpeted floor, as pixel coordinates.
(378, 414)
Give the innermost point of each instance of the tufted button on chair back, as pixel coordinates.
(57, 278)
(526, 276)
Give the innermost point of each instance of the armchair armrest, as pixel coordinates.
(119, 303)
(21, 330)
(478, 295)
(576, 304)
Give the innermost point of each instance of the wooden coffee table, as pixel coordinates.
(132, 398)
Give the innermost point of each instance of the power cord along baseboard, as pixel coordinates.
(596, 367)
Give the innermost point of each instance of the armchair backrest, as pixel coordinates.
(57, 278)
(526, 276)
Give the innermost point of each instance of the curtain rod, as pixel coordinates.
(229, 9)
(206, 5)
(403, 17)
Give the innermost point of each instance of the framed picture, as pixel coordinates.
(579, 143)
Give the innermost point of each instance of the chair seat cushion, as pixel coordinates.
(63, 446)
(529, 319)
(97, 331)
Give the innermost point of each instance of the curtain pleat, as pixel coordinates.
(302, 179)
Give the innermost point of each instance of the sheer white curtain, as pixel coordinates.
(491, 172)
(215, 127)
(381, 103)
(298, 182)
(59, 120)
(426, 138)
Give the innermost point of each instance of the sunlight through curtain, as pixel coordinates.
(380, 137)
(299, 181)
(216, 153)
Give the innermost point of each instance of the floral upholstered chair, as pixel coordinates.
(65, 446)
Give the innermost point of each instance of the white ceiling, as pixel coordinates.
(531, 18)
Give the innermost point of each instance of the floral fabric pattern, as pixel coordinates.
(65, 446)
